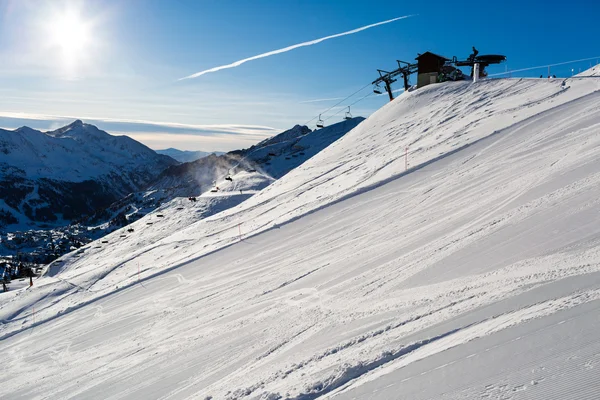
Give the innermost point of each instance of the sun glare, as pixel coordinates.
(69, 40)
(71, 34)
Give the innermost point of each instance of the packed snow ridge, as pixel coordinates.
(446, 247)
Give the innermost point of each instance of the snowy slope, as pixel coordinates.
(354, 278)
(160, 223)
(186, 155)
(594, 71)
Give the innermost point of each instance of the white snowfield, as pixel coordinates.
(474, 274)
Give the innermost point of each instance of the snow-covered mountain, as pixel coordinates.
(272, 158)
(447, 247)
(280, 154)
(51, 178)
(187, 155)
(248, 171)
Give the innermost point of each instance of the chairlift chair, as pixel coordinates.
(320, 123)
(377, 89)
(348, 115)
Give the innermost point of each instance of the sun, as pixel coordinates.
(70, 33)
(70, 39)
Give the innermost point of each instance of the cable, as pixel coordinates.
(350, 105)
(338, 103)
(544, 66)
(306, 123)
(331, 116)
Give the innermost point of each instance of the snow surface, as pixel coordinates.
(474, 274)
(594, 71)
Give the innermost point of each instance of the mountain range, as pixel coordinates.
(65, 188)
(52, 178)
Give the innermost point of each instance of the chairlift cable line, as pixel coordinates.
(371, 93)
(341, 101)
(350, 105)
(338, 103)
(544, 66)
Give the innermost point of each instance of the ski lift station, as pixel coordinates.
(434, 68)
(429, 67)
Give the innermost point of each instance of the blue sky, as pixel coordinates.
(121, 70)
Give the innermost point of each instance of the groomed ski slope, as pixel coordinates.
(474, 274)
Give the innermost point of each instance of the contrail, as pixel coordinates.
(295, 46)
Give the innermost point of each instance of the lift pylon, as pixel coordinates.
(387, 78)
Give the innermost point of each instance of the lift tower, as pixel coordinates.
(405, 69)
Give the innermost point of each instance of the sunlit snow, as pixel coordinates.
(445, 248)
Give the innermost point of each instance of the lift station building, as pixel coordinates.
(429, 68)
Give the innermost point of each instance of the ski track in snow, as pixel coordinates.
(349, 277)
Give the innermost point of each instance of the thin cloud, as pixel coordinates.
(43, 122)
(289, 48)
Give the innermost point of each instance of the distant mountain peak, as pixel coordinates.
(70, 171)
(25, 129)
(78, 130)
(75, 124)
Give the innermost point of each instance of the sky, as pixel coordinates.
(120, 64)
